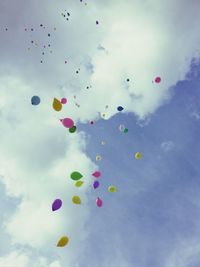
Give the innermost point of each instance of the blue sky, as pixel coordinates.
(153, 218)
(156, 207)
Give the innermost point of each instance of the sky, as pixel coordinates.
(87, 56)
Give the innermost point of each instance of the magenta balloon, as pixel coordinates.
(56, 204)
(96, 174)
(99, 202)
(96, 184)
(67, 122)
(63, 100)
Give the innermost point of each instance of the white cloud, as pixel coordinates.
(167, 145)
(22, 259)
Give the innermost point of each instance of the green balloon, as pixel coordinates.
(76, 176)
(125, 130)
(72, 129)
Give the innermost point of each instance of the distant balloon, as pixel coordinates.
(96, 184)
(126, 130)
(138, 155)
(99, 202)
(76, 175)
(103, 143)
(72, 129)
(79, 183)
(35, 100)
(96, 174)
(56, 204)
(63, 100)
(120, 108)
(57, 106)
(112, 189)
(121, 127)
(67, 122)
(63, 241)
(157, 79)
(98, 158)
(76, 200)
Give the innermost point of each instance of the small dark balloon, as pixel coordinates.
(35, 100)
(120, 108)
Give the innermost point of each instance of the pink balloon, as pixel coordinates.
(157, 79)
(67, 122)
(96, 174)
(99, 202)
(63, 100)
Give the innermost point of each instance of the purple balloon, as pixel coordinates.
(56, 204)
(96, 184)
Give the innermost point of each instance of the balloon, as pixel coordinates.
(63, 100)
(67, 122)
(63, 241)
(99, 202)
(157, 79)
(121, 127)
(76, 200)
(126, 130)
(76, 176)
(57, 106)
(56, 204)
(96, 174)
(35, 100)
(103, 143)
(138, 155)
(120, 108)
(72, 129)
(96, 184)
(98, 158)
(112, 189)
(79, 183)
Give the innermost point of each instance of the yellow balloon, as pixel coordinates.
(79, 183)
(63, 241)
(57, 105)
(112, 189)
(138, 155)
(76, 200)
(98, 158)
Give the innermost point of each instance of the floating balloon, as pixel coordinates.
(99, 202)
(103, 143)
(138, 155)
(121, 127)
(67, 122)
(126, 130)
(157, 79)
(120, 108)
(63, 241)
(76, 200)
(35, 100)
(56, 204)
(98, 158)
(72, 129)
(96, 174)
(112, 189)
(96, 184)
(63, 100)
(79, 183)
(57, 106)
(76, 176)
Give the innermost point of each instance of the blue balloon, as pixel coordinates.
(120, 108)
(35, 100)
